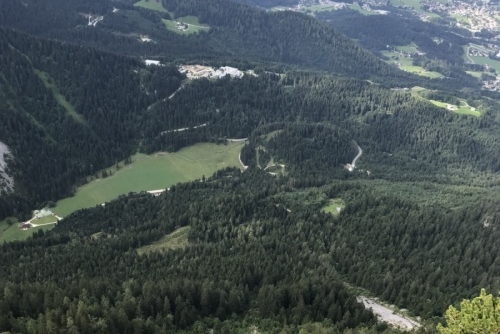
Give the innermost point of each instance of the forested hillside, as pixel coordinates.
(67, 112)
(346, 188)
(88, 109)
(237, 31)
(400, 133)
(250, 254)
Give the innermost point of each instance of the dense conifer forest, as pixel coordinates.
(256, 250)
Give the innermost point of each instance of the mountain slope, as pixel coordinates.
(238, 32)
(68, 111)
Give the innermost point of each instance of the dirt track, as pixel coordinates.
(386, 314)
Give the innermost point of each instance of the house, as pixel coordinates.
(24, 226)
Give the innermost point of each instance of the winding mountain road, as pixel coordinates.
(353, 164)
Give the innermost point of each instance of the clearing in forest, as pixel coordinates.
(186, 25)
(49, 83)
(148, 172)
(401, 57)
(335, 206)
(463, 108)
(152, 4)
(176, 239)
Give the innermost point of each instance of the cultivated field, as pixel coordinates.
(157, 171)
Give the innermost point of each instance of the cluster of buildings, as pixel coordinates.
(200, 71)
(493, 85)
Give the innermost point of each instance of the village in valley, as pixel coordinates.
(481, 20)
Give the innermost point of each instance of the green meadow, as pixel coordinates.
(193, 23)
(49, 83)
(174, 240)
(146, 172)
(406, 63)
(463, 108)
(152, 172)
(487, 61)
(14, 233)
(335, 206)
(151, 4)
(355, 6)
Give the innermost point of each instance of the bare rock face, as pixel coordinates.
(6, 181)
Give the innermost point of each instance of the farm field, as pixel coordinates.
(335, 206)
(174, 240)
(152, 4)
(151, 172)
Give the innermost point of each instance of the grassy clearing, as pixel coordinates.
(475, 74)
(158, 171)
(44, 220)
(410, 3)
(421, 71)
(152, 4)
(194, 25)
(357, 7)
(462, 19)
(14, 233)
(335, 206)
(406, 63)
(320, 8)
(415, 4)
(408, 48)
(463, 108)
(175, 240)
(49, 83)
(192, 22)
